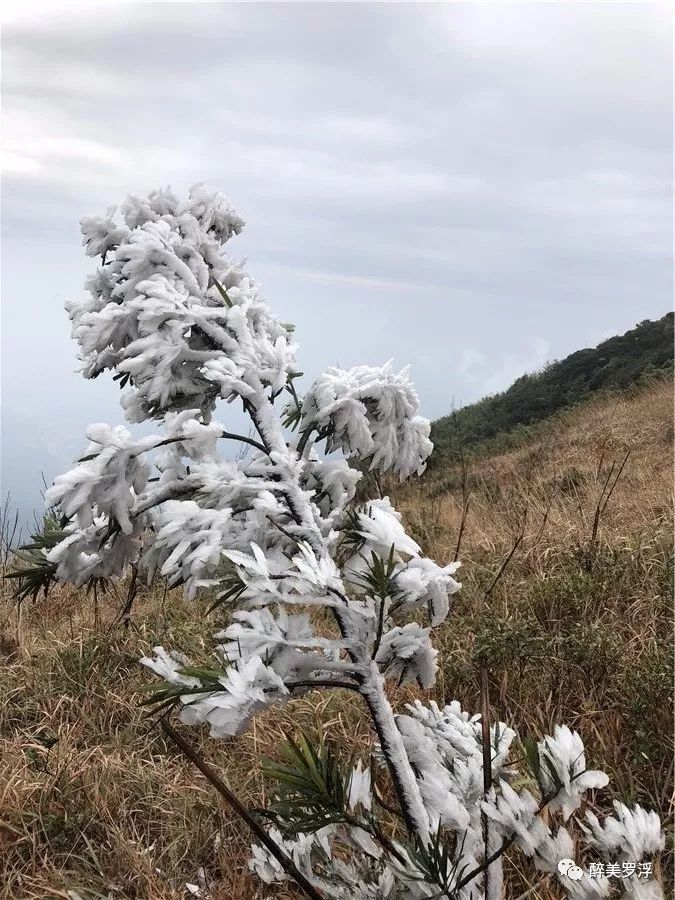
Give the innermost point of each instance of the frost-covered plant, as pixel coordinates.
(324, 593)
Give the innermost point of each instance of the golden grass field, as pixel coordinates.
(95, 803)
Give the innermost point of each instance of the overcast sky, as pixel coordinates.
(473, 189)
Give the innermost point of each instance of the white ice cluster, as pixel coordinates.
(230, 701)
(445, 748)
(563, 770)
(406, 654)
(371, 414)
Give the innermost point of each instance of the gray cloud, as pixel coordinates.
(464, 187)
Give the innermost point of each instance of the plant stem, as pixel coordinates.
(393, 749)
(125, 615)
(235, 803)
(372, 689)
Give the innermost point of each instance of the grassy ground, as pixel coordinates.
(578, 629)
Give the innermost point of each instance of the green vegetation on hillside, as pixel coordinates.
(619, 363)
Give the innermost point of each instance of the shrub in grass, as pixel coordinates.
(323, 592)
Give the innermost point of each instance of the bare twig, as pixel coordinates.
(283, 530)
(238, 807)
(174, 440)
(378, 484)
(125, 615)
(322, 683)
(252, 412)
(10, 533)
(466, 496)
(290, 387)
(605, 494)
(462, 525)
(221, 290)
(517, 542)
(544, 519)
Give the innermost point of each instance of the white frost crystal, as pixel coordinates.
(563, 770)
(228, 705)
(423, 583)
(371, 414)
(629, 835)
(407, 655)
(360, 792)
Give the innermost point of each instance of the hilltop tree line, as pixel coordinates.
(617, 364)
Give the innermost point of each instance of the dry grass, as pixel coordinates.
(110, 807)
(93, 800)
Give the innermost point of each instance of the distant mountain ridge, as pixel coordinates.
(616, 364)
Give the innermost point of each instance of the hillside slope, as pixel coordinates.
(615, 364)
(579, 627)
